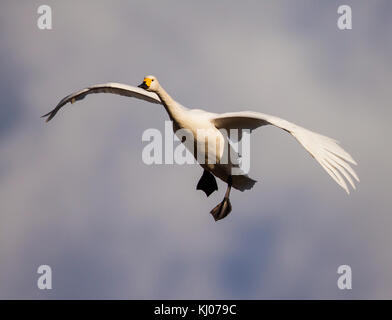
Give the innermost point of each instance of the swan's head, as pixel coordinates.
(150, 83)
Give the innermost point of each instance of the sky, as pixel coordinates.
(76, 195)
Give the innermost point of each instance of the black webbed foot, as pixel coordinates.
(221, 210)
(207, 183)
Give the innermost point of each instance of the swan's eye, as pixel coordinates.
(152, 79)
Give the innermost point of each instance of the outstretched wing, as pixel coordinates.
(325, 150)
(115, 88)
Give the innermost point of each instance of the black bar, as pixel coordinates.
(200, 309)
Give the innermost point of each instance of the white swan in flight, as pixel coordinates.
(325, 150)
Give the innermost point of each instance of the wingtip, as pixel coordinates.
(45, 116)
(50, 115)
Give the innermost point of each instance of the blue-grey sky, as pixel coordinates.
(75, 194)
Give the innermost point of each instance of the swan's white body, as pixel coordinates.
(325, 150)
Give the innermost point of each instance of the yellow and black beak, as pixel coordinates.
(145, 84)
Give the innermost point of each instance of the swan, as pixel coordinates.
(324, 150)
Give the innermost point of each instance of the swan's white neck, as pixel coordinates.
(173, 108)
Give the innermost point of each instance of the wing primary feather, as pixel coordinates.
(334, 174)
(342, 171)
(344, 164)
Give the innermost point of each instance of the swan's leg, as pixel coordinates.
(223, 208)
